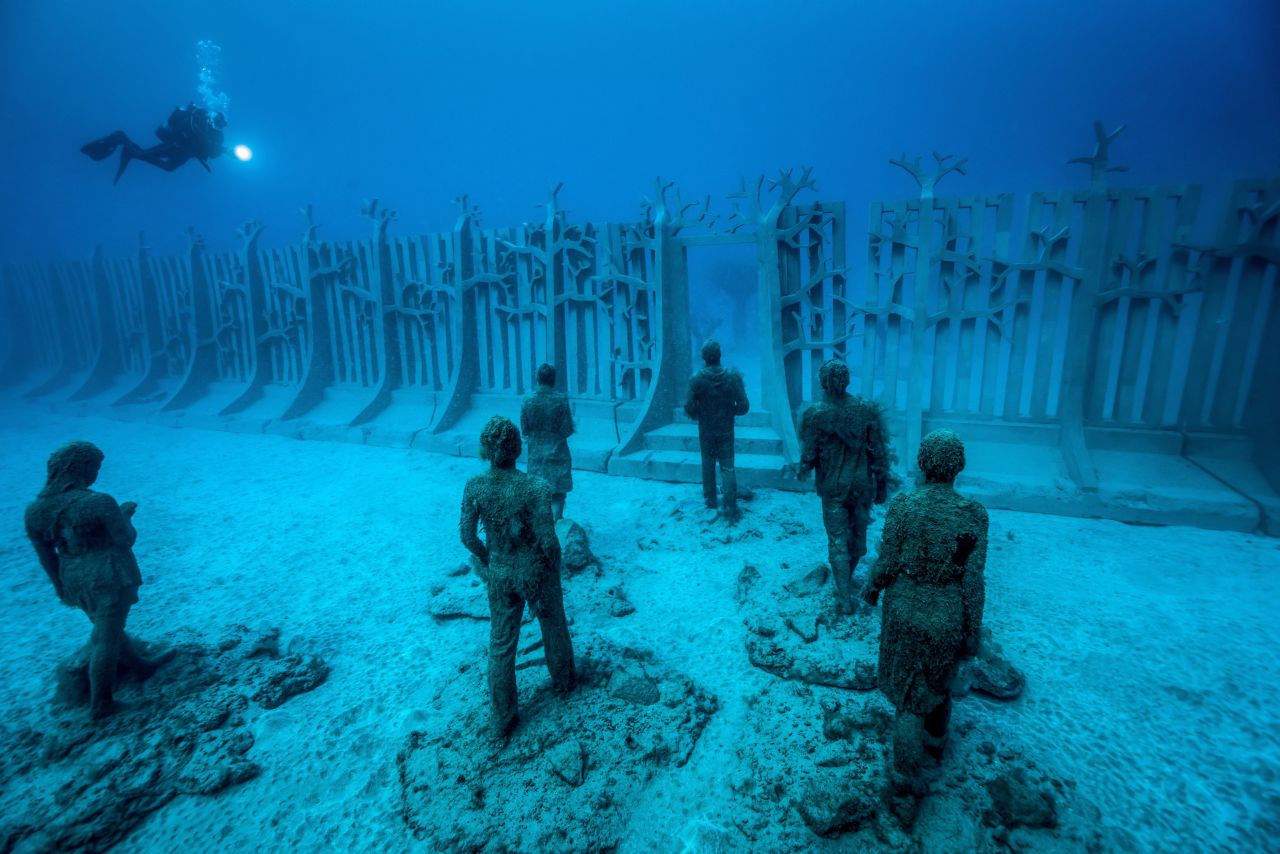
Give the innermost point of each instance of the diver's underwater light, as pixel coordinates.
(243, 153)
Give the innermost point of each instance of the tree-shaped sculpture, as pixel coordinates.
(557, 258)
(1099, 162)
(929, 180)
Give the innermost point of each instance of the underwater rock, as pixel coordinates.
(619, 604)
(815, 581)
(580, 764)
(989, 673)
(1017, 802)
(830, 807)
(838, 724)
(79, 786)
(569, 762)
(575, 548)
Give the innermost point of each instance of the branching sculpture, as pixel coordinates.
(928, 181)
(1099, 162)
(749, 203)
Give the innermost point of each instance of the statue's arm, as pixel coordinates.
(47, 556)
(566, 420)
(468, 525)
(878, 449)
(889, 559)
(691, 400)
(808, 444)
(974, 585)
(544, 526)
(115, 518)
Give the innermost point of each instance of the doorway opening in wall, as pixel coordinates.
(724, 304)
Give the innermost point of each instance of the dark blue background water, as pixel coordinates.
(416, 102)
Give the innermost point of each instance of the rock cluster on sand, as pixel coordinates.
(816, 766)
(794, 631)
(573, 770)
(75, 786)
(828, 734)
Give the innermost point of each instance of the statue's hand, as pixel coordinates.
(129, 508)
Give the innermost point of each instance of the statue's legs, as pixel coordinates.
(556, 644)
(105, 643)
(846, 521)
(836, 519)
(935, 728)
(908, 748)
(707, 448)
(505, 611)
(729, 476)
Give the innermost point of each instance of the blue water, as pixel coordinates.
(417, 102)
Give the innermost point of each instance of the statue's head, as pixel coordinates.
(711, 351)
(941, 457)
(500, 442)
(73, 466)
(547, 375)
(834, 377)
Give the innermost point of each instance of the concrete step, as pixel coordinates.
(754, 418)
(754, 470)
(684, 437)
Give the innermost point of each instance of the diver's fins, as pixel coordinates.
(101, 149)
(126, 154)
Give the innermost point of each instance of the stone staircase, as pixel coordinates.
(670, 453)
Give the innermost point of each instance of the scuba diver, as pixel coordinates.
(191, 133)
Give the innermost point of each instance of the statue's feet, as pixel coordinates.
(100, 710)
(143, 667)
(500, 731)
(902, 795)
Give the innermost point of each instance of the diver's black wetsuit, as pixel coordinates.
(191, 133)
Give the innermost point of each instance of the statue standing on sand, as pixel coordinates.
(84, 541)
(547, 424)
(519, 561)
(844, 439)
(930, 567)
(717, 395)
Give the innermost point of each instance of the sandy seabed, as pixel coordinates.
(1151, 654)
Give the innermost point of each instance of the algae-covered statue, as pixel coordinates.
(844, 439)
(84, 542)
(547, 424)
(930, 567)
(717, 395)
(519, 561)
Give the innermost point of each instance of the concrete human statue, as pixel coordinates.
(519, 561)
(844, 440)
(931, 564)
(547, 424)
(717, 395)
(84, 542)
